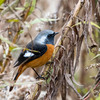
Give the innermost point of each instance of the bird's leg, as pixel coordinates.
(39, 77)
(36, 72)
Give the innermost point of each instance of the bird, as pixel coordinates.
(36, 53)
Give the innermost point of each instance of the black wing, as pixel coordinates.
(29, 55)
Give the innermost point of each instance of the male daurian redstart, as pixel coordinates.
(37, 52)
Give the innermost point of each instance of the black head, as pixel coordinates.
(46, 37)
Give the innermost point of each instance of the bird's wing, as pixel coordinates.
(31, 54)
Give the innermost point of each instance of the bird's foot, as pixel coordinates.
(40, 77)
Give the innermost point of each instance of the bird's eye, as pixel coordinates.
(50, 35)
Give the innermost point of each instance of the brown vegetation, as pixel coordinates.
(75, 69)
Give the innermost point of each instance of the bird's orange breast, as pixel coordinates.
(43, 59)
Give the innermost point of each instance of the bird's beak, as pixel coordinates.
(56, 33)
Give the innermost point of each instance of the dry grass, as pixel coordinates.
(75, 71)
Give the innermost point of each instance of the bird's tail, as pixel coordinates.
(16, 77)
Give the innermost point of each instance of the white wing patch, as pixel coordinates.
(28, 54)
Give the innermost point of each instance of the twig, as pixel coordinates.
(72, 18)
(72, 85)
(59, 72)
(17, 33)
(78, 52)
(13, 5)
(75, 13)
(87, 95)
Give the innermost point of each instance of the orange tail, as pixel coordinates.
(17, 75)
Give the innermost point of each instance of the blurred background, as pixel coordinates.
(22, 20)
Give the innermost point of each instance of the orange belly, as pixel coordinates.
(43, 59)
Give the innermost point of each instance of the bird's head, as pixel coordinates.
(46, 37)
